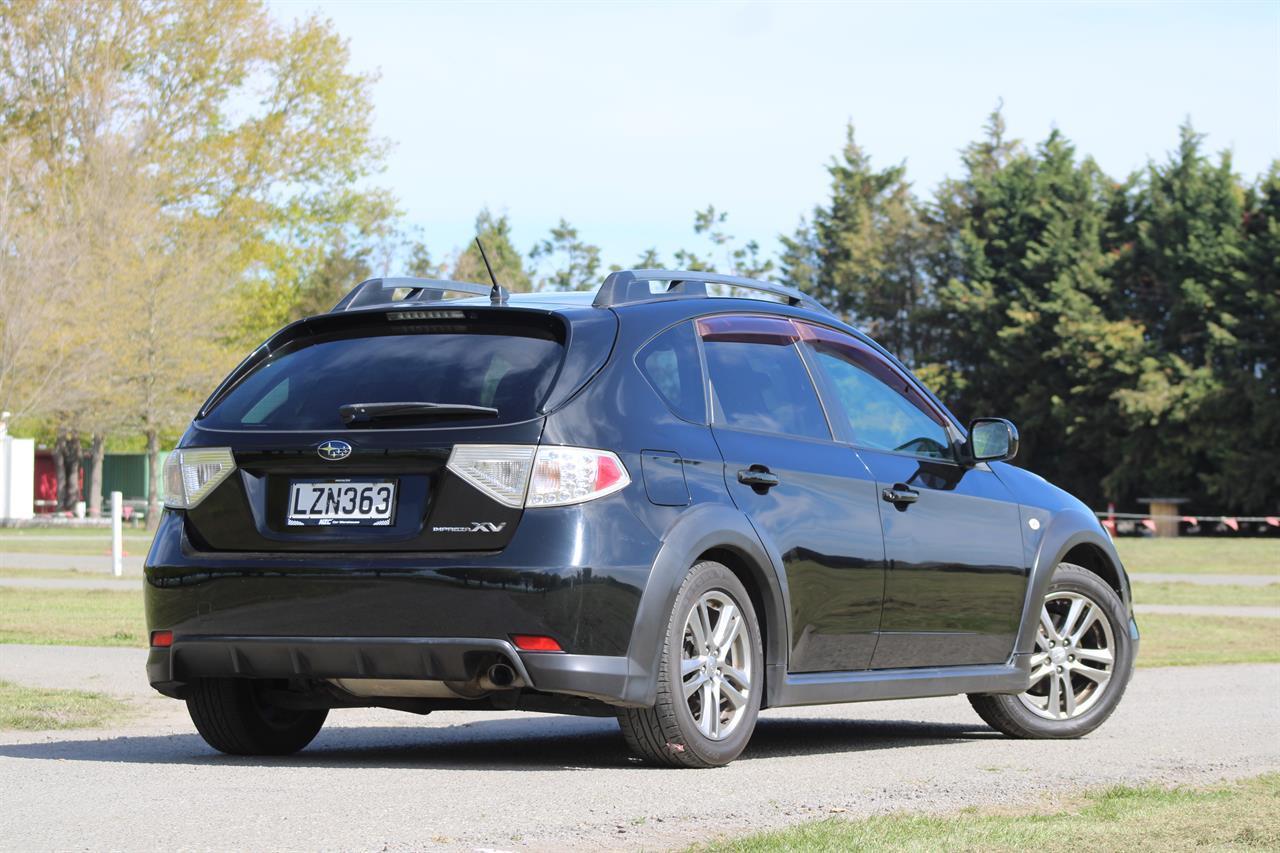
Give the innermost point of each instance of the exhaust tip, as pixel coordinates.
(500, 676)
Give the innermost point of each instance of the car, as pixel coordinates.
(679, 500)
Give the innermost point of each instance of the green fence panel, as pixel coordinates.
(127, 473)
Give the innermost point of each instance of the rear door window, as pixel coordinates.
(671, 364)
(510, 369)
(758, 380)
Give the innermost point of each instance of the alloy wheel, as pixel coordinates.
(1074, 657)
(715, 666)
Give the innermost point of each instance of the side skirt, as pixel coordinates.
(822, 688)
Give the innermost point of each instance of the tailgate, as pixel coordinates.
(312, 476)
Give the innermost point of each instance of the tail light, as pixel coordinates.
(520, 475)
(191, 473)
(501, 471)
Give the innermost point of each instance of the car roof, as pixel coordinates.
(625, 292)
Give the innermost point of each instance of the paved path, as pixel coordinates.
(1205, 580)
(121, 672)
(124, 583)
(20, 535)
(1210, 610)
(79, 562)
(381, 780)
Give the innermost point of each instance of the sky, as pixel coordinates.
(625, 118)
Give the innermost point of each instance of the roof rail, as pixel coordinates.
(381, 291)
(633, 286)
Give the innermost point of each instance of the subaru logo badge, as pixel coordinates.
(334, 450)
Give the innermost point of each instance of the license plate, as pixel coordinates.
(342, 502)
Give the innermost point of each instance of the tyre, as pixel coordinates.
(233, 716)
(1081, 664)
(710, 679)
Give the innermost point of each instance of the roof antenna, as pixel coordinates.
(498, 295)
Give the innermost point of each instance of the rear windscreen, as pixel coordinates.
(304, 387)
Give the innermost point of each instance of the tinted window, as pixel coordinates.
(670, 363)
(764, 387)
(879, 415)
(304, 387)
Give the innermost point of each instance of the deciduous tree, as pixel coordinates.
(725, 254)
(570, 262)
(232, 143)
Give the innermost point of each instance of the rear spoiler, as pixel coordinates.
(588, 339)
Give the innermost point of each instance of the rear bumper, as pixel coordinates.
(426, 658)
(407, 616)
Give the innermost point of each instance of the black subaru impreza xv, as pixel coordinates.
(652, 502)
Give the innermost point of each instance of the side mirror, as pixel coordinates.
(992, 439)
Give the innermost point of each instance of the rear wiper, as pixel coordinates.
(363, 412)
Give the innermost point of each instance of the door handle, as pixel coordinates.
(759, 478)
(900, 495)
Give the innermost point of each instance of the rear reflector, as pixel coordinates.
(608, 473)
(161, 639)
(535, 643)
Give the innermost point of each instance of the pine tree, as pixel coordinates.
(1247, 457)
(1028, 329)
(507, 262)
(1194, 262)
(799, 261)
(862, 257)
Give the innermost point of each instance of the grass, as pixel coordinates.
(1173, 640)
(77, 541)
(1192, 593)
(1238, 815)
(1209, 556)
(35, 709)
(72, 617)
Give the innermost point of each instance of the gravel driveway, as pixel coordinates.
(381, 780)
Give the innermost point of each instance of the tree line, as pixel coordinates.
(178, 179)
(1130, 327)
